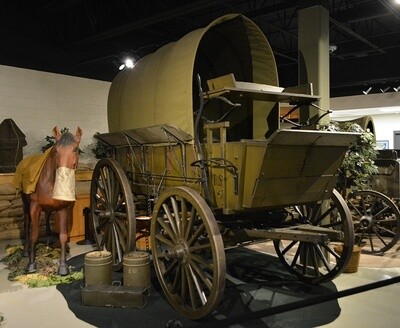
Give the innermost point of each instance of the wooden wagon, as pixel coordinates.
(207, 165)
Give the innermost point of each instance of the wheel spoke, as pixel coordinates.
(314, 260)
(289, 247)
(171, 221)
(297, 255)
(200, 248)
(176, 216)
(207, 282)
(191, 222)
(164, 240)
(166, 227)
(197, 234)
(184, 217)
(199, 290)
(203, 262)
(375, 230)
(192, 292)
(323, 258)
(171, 268)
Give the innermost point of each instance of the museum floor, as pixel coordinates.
(47, 307)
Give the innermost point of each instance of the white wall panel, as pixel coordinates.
(38, 101)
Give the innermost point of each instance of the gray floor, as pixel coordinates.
(46, 307)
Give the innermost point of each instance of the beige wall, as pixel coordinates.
(38, 101)
(384, 108)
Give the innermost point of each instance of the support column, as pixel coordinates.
(313, 44)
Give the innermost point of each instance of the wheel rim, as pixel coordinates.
(112, 210)
(376, 220)
(315, 263)
(188, 252)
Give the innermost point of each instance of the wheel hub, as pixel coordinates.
(107, 214)
(179, 252)
(366, 222)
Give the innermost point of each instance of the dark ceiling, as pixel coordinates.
(90, 38)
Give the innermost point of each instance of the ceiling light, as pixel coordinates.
(398, 88)
(367, 91)
(332, 48)
(129, 63)
(397, 1)
(384, 90)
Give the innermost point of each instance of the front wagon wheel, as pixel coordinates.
(112, 210)
(319, 262)
(188, 252)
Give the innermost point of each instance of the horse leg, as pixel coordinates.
(49, 238)
(62, 214)
(27, 221)
(34, 233)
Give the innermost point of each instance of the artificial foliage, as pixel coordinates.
(100, 150)
(47, 259)
(358, 165)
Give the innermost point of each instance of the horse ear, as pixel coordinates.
(56, 133)
(78, 132)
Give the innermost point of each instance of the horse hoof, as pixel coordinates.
(63, 270)
(31, 268)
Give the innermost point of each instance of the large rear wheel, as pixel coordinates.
(188, 252)
(112, 210)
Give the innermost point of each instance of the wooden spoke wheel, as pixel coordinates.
(376, 220)
(188, 252)
(318, 262)
(112, 210)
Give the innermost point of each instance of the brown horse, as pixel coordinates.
(54, 191)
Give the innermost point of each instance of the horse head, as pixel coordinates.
(66, 155)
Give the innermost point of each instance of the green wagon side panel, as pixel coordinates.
(293, 167)
(162, 87)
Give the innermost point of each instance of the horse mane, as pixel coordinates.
(66, 139)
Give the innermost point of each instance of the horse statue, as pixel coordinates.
(47, 183)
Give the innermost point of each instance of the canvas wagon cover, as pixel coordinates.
(162, 87)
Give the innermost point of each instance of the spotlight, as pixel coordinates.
(398, 88)
(367, 91)
(384, 90)
(332, 48)
(129, 63)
